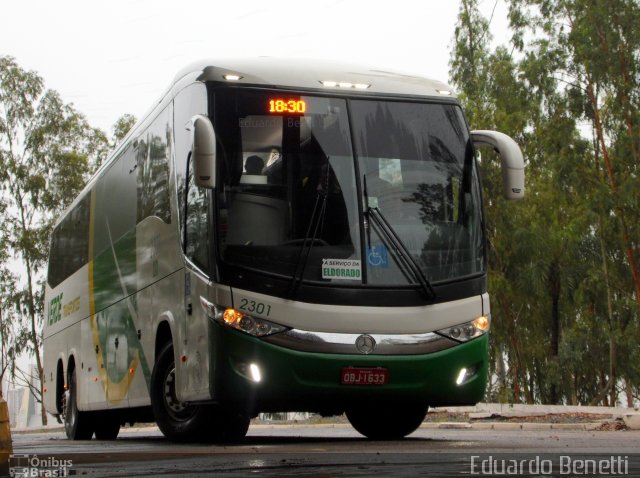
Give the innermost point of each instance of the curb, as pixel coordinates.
(24, 431)
(632, 420)
(6, 448)
(509, 426)
(517, 409)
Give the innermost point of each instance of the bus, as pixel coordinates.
(276, 235)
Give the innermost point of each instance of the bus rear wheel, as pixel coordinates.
(107, 426)
(77, 424)
(386, 421)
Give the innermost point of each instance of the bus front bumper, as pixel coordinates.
(259, 377)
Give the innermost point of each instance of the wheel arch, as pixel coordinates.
(71, 366)
(61, 383)
(164, 335)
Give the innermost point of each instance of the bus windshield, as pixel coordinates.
(299, 174)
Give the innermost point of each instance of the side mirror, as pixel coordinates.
(203, 152)
(511, 160)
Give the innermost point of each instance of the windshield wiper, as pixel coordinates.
(316, 222)
(405, 260)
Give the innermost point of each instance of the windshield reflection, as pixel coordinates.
(421, 176)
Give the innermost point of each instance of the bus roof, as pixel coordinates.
(315, 74)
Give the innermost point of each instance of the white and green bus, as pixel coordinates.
(276, 236)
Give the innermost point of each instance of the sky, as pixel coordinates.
(117, 57)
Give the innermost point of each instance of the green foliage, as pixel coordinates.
(563, 264)
(47, 150)
(122, 127)
(47, 153)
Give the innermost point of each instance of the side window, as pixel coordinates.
(197, 244)
(70, 243)
(152, 164)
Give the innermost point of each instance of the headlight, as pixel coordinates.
(255, 326)
(468, 330)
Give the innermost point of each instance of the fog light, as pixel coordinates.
(256, 376)
(466, 374)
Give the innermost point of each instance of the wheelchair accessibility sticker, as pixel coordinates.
(377, 256)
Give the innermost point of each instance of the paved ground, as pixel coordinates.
(327, 450)
(451, 442)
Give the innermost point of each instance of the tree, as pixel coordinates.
(598, 44)
(46, 152)
(121, 128)
(564, 267)
(7, 312)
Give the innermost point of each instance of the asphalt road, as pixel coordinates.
(336, 450)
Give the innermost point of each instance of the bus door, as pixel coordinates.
(193, 384)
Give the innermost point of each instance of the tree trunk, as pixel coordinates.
(613, 390)
(501, 370)
(34, 333)
(554, 291)
(574, 390)
(36, 351)
(629, 390)
(610, 317)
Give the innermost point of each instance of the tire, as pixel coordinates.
(178, 421)
(77, 424)
(107, 426)
(387, 421)
(230, 426)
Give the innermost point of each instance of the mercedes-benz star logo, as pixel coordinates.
(365, 344)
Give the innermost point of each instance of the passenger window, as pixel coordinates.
(197, 223)
(152, 164)
(70, 243)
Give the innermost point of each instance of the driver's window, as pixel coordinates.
(197, 223)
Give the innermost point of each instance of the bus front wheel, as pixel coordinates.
(388, 421)
(230, 425)
(177, 420)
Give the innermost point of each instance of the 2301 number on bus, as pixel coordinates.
(364, 376)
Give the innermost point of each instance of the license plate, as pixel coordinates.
(364, 376)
